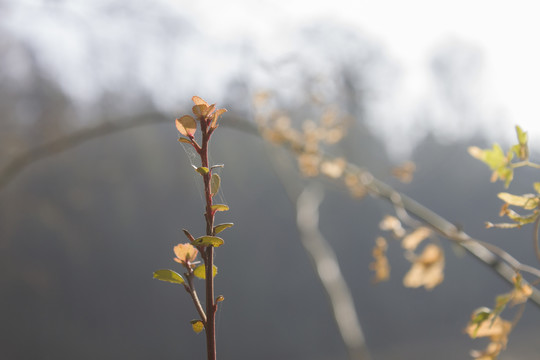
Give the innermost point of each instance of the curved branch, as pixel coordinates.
(375, 186)
(327, 267)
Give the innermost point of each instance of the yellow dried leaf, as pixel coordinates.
(309, 164)
(521, 291)
(427, 269)
(392, 223)
(334, 168)
(476, 152)
(496, 329)
(404, 172)
(527, 201)
(380, 265)
(412, 240)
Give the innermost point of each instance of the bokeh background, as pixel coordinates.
(82, 231)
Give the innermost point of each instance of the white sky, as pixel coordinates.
(504, 92)
(506, 33)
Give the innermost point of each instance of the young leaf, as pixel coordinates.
(208, 241)
(216, 116)
(186, 125)
(185, 254)
(215, 181)
(219, 228)
(200, 272)
(220, 207)
(184, 140)
(168, 275)
(537, 187)
(197, 326)
(201, 170)
(521, 135)
(198, 101)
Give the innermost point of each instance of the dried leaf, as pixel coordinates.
(527, 201)
(404, 172)
(427, 269)
(412, 240)
(333, 168)
(391, 223)
(381, 265)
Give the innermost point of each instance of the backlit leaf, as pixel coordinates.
(427, 269)
(197, 326)
(381, 265)
(219, 228)
(200, 271)
(521, 135)
(220, 207)
(208, 241)
(186, 125)
(412, 240)
(215, 181)
(216, 116)
(198, 101)
(202, 170)
(185, 253)
(527, 201)
(168, 275)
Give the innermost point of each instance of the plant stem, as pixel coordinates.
(210, 326)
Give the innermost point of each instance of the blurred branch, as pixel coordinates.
(327, 267)
(19, 163)
(376, 187)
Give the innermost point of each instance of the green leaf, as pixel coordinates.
(208, 241)
(219, 228)
(197, 326)
(478, 317)
(521, 219)
(201, 170)
(186, 125)
(168, 275)
(201, 273)
(506, 174)
(521, 135)
(537, 187)
(495, 157)
(219, 207)
(215, 181)
(527, 201)
(184, 140)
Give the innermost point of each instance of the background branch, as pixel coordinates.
(375, 186)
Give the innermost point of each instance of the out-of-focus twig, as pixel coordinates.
(108, 126)
(375, 186)
(327, 268)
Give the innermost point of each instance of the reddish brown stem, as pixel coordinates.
(210, 327)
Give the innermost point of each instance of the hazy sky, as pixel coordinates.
(185, 47)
